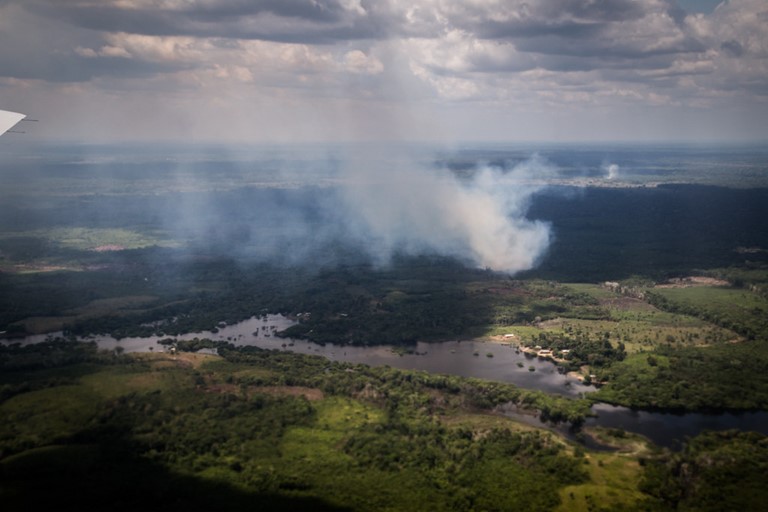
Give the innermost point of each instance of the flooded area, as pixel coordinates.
(485, 360)
(671, 430)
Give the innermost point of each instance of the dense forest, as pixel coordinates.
(265, 428)
(633, 296)
(274, 429)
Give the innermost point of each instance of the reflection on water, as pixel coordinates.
(465, 358)
(671, 430)
(479, 359)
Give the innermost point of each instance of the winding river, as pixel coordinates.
(487, 360)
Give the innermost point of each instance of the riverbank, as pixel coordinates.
(469, 359)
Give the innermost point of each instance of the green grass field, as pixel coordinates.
(736, 308)
(631, 321)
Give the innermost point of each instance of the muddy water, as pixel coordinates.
(479, 359)
(486, 360)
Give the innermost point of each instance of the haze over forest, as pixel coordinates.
(384, 255)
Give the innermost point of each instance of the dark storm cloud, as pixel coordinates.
(323, 11)
(293, 21)
(599, 10)
(74, 68)
(606, 48)
(390, 50)
(615, 66)
(45, 49)
(40, 39)
(574, 35)
(568, 18)
(732, 48)
(569, 29)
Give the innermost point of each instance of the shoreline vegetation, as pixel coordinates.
(253, 426)
(657, 294)
(644, 344)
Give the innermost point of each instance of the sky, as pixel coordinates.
(287, 71)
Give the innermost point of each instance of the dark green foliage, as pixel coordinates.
(410, 388)
(597, 352)
(751, 275)
(716, 471)
(670, 230)
(110, 472)
(692, 379)
(743, 312)
(171, 447)
(206, 430)
(499, 471)
(54, 353)
(418, 298)
(415, 299)
(49, 364)
(229, 434)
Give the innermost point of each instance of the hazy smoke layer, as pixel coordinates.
(308, 209)
(416, 209)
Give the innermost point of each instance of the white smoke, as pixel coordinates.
(304, 208)
(417, 209)
(611, 171)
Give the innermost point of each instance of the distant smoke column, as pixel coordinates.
(612, 171)
(416, 210)
(8, 120)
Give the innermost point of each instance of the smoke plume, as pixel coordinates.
(611, 171)
(303, 208)
(416, 209)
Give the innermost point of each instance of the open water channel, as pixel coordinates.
(486, 360)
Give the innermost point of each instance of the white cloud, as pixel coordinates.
(549, 58)
(114, 51)
(353, 6)
(86, 52)
(356, 61)
(156, 49)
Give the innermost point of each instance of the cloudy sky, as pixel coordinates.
(436, 70)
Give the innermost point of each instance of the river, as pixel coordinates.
(486, 360)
